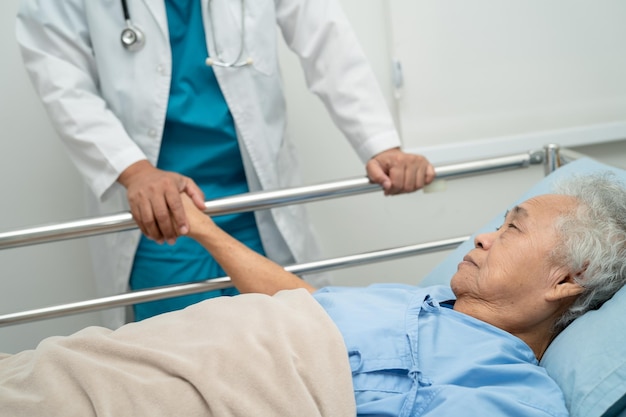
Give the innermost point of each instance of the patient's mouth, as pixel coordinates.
(469, 260)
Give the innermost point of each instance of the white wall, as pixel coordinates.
(39, 185)
(483, 76)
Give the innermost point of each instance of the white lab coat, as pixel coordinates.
(109, 104)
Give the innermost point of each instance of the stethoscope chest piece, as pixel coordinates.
(132, 38)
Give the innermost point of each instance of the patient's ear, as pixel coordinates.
(565, 284)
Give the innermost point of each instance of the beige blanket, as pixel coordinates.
(250, 355)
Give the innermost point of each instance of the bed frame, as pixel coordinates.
(551, 156)
(591, 375)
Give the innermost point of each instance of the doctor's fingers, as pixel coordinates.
(403, 179)
(195, 193)
(413, 176)
(146, 213)
(406, 172)
(169, 212)
(154, 211)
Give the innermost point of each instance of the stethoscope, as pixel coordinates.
(133, 39)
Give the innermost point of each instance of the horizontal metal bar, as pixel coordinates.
(253, 201)
(486, 166)
(223, 282)
(235, 204)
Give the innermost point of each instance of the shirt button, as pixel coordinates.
(152, 133)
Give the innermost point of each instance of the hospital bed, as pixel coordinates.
(588, 359)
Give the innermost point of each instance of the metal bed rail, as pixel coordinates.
(222, 282)
(255, 201)
(550, 157)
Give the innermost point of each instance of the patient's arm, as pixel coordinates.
(249, 271)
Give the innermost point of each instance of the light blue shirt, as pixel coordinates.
(410, 356)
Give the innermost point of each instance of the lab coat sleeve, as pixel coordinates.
(56, 48)
(337, 70)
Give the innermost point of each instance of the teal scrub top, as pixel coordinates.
(412, 356)
(199, 141)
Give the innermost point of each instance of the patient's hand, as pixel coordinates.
(248, 270)
(198, 220)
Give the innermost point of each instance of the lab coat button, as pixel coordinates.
(152, 133)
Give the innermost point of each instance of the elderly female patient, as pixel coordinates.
(470, 349)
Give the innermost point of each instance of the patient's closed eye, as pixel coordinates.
(507, 226)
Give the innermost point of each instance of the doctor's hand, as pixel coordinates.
(155, 202)
(399, 172)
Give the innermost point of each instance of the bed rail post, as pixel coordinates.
(552, 158)
(556, 157)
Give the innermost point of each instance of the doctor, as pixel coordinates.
(153, 98)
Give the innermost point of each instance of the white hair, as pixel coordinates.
(593, 240)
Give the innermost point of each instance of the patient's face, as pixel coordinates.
(511, 268)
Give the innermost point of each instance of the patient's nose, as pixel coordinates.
(483, 240)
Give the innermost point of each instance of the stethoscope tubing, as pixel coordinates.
(125, 10)
(133, 38)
